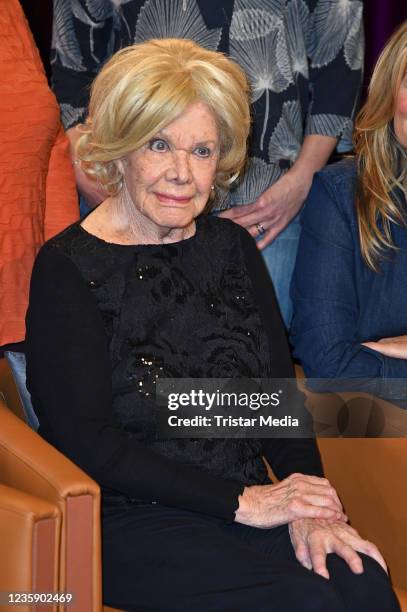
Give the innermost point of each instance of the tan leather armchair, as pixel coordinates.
(370, 477)
(28, 465)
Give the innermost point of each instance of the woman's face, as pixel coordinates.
(400, 113)
(170, 178)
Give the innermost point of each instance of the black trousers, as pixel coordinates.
(158, 559)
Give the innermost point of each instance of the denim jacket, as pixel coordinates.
(339, 302)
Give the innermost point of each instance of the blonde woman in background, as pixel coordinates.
(350, 281)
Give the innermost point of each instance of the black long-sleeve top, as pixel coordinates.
(106, 320)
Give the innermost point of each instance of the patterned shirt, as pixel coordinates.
(303, 58)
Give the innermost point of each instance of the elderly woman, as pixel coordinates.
(144, 288)
(350, 281)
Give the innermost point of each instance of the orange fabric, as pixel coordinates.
(37, 188)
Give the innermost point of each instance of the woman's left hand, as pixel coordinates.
(313, 539)
(275, 208)
(391, 347)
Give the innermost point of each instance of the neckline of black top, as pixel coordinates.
(182, 243)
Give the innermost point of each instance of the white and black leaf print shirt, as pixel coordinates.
(303, 58)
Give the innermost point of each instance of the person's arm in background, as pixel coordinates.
(88, 188)
(281, 202)
(335, 56)
(82, 42)
(61, 200)
(326, 310)
(391, 347)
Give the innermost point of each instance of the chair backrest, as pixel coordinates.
(28, 463)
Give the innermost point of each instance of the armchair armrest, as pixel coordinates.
(369, 475)
(30, 464)
(29, 536)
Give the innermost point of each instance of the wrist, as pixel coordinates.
(299, 182)
(247, 505)
(315, 151)
(242, 511)
(302, 174)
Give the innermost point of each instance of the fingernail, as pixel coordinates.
(324, 575)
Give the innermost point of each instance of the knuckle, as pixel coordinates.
(293, 504)
(295, 488)
(349, 551)
(372, 547)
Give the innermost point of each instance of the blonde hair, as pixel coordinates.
(378, 152)
(144, 87)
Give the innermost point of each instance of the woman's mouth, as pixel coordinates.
(167, 198)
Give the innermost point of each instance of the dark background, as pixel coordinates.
(39, 15)
(381, 18)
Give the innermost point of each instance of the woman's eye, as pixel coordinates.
(203, 152)
(158, 145)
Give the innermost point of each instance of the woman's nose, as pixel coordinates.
(180, 169)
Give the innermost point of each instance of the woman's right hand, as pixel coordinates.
(296, 497)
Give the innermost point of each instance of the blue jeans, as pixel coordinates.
(17, 365)
(279, 257)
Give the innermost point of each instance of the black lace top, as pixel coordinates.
(106, 321)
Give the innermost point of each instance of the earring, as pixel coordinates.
(212, 187)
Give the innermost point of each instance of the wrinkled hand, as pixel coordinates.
(313, 539)
(391, 347)
(275, 208)
(295, 497)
